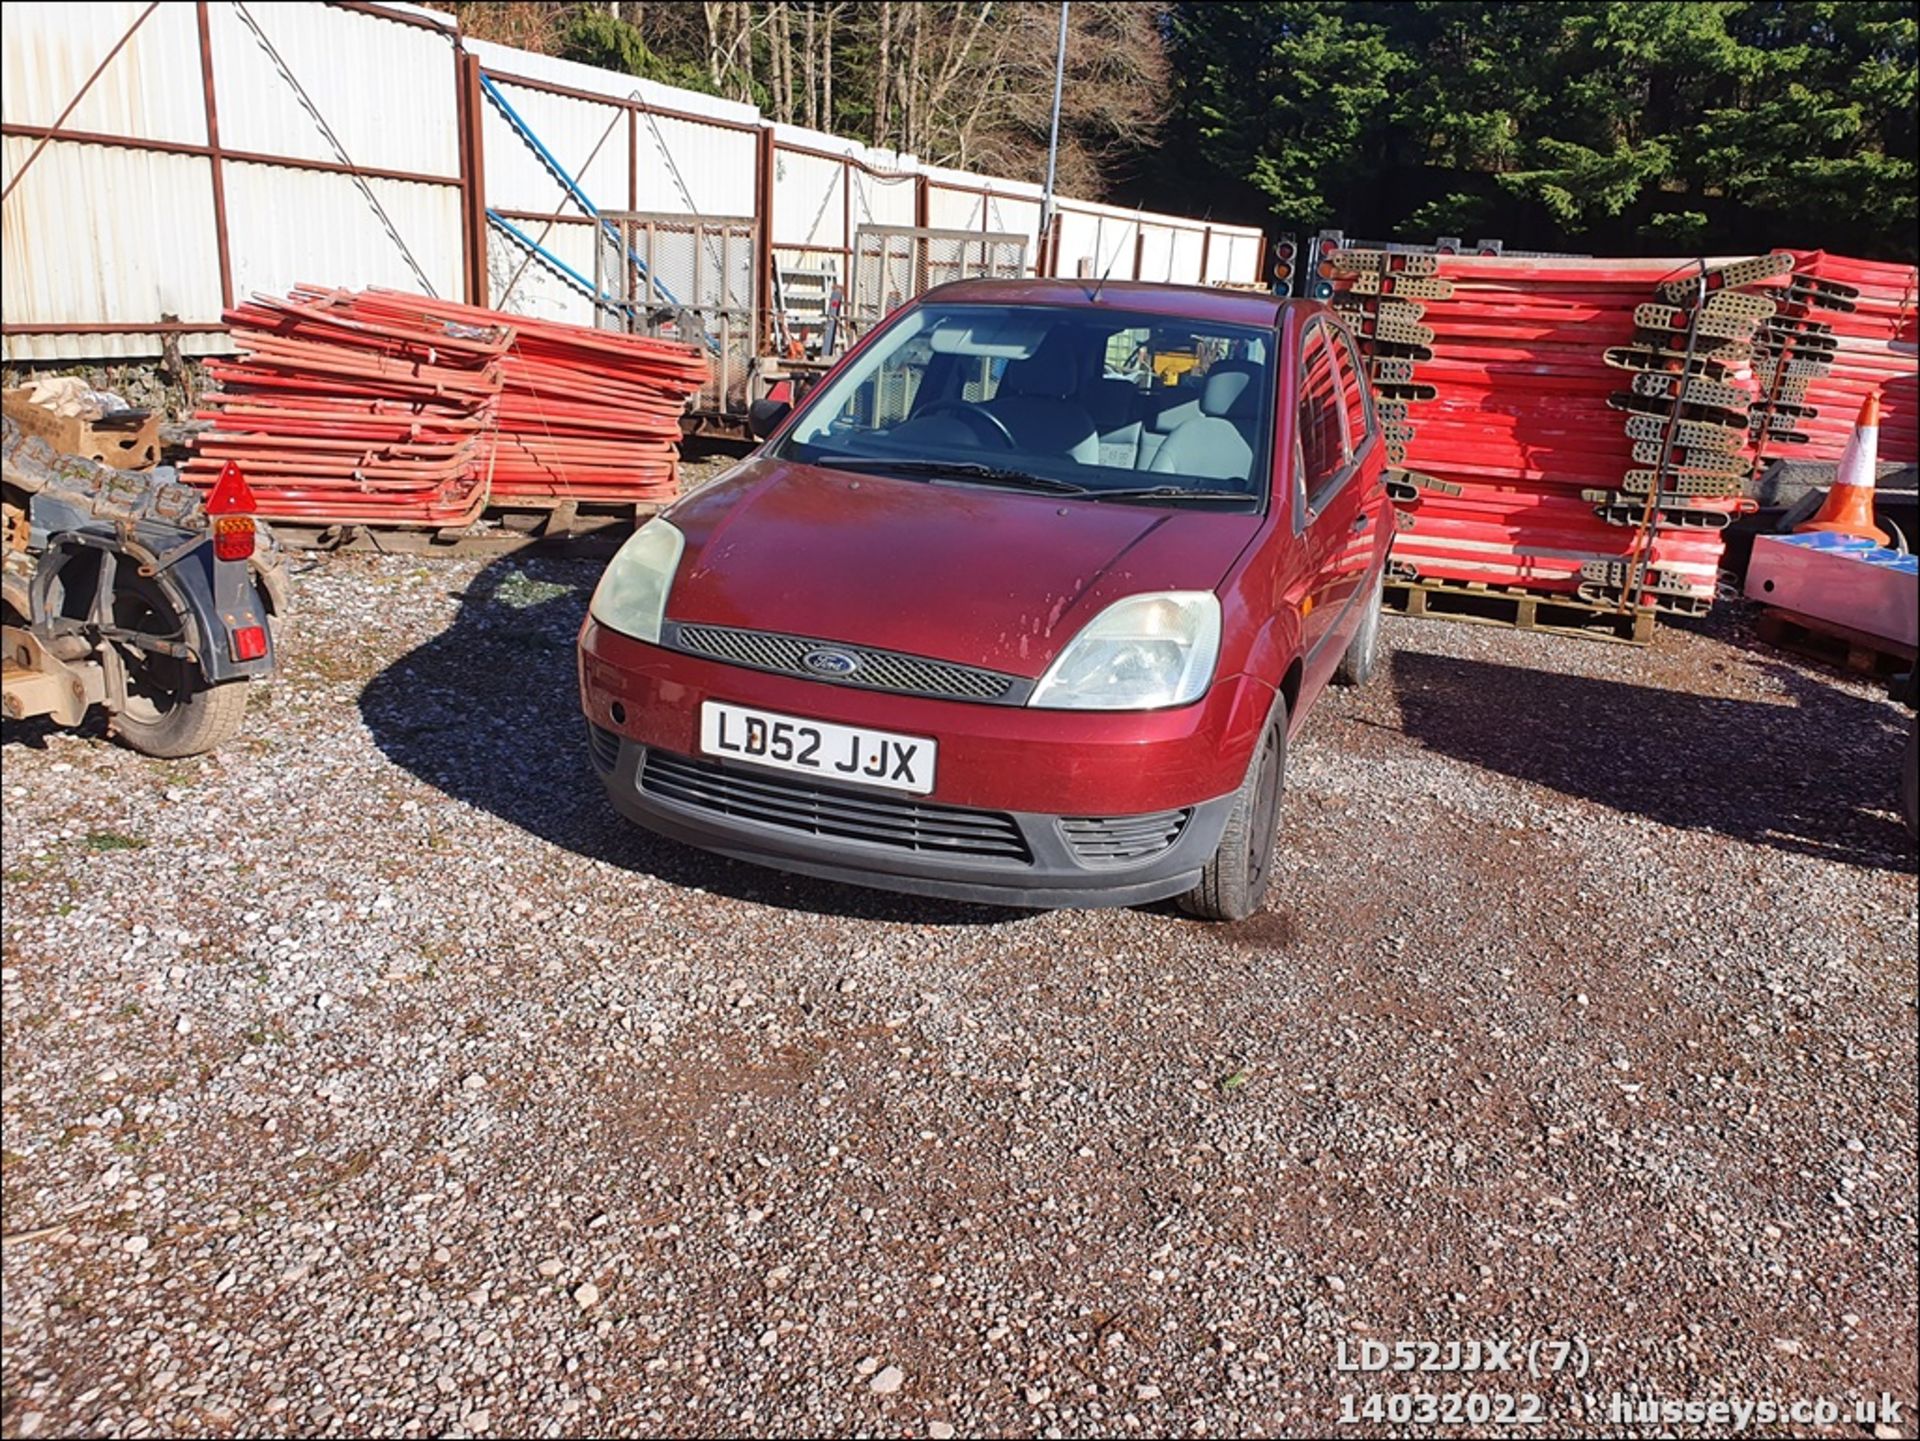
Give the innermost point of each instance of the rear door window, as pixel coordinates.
(1353, 393)
(1323, 451)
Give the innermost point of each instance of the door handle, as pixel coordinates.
(1360, 522)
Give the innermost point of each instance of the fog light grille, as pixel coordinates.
(1120, 840)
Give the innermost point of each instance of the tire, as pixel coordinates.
(1235, 880)
(1362, 658)
(171, 711)
(204, 720)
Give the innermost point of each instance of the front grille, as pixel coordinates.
(796, 805)
(876, 670)
(604, 747)
(1118, 840)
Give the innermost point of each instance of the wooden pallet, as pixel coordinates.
(1837, 645)
(584, 527)
(1474, 603)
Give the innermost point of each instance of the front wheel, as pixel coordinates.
(1363, 651)
(1235, 881)
(171, 710)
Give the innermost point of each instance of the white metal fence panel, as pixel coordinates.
(809, 201)
(1017, 216)
(108, 236)
(950, 209)
(685, 167)
(288, 227)
(1234, 255)
(385, 89)
(151, 91)
(1079, 242)
(884, 199)
(588, 140)
(537, 288)
(1157, 252)
(1183, 265)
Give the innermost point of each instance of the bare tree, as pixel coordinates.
(711, 11)
(957, 82)
(810, 70)
(828, 18)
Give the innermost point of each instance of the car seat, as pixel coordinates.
(1115, 407)
(1216, 442)
(1035, 404)
(1169, 408)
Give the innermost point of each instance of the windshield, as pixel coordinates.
(1072, 400)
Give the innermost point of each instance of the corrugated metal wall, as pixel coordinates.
(119, 227)
(105, 234)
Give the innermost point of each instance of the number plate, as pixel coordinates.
(851, 754)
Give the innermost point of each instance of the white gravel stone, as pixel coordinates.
(686, 1104)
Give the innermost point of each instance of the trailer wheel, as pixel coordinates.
(171, 711)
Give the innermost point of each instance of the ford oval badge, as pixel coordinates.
(830, 662)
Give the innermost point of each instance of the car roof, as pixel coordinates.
(1180, 302)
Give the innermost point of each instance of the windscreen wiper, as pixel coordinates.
(1171, 492)
(958, 470)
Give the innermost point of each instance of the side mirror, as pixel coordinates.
(764, 417)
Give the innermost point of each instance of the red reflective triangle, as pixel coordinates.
(231, 495)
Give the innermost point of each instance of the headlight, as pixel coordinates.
(632, 596)
(1142, 653)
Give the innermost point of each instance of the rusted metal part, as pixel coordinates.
(38, 682)
(473, 170)
(399, 17)
(123, 327)
(246, 157)
(215, 164)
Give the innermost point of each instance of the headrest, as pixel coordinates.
(1048, 373)
(1229, 392)
(1110, 402)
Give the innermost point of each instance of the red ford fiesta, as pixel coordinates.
(1021, 605)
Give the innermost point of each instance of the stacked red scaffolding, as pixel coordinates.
(339, 416)
(1874, 335)
(1559, 436)
(590, 415)
(384, 408)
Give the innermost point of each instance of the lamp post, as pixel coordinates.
(1053, 139)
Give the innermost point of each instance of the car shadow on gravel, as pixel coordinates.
(1815, 775)
(488, 711)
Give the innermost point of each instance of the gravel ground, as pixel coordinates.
(371, 1077)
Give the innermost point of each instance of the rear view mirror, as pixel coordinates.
(764, 417)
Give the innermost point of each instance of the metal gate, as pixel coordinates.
(689, 278)
(894, 263)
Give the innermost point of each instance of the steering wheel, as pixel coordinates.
(969, 413)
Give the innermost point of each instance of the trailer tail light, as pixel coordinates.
(233, 537)
(249, 642)
(230, 505)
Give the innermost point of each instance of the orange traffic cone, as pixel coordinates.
(1848, 508)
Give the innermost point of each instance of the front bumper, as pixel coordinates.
(992, 757)
(897, 843)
